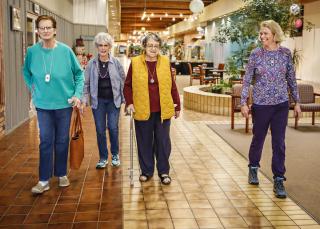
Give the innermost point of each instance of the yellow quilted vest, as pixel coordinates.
(140, 88)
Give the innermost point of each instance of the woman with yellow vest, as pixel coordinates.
(151, 94)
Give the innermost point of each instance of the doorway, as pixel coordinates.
(31, 39)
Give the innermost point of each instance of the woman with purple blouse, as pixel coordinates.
(272, 69)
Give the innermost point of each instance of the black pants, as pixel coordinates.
(153, 140)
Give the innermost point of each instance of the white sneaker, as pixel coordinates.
(64, 181)
(115, 160)
(101, 164)
(39, 188)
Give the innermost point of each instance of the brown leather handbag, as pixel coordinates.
(76, 141)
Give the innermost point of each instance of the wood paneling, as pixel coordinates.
(2, 117)
(132, 10)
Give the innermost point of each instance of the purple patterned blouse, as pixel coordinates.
(272, 73)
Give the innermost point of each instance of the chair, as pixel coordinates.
(194, 73)
(217, 76)
(206, 79)
(235, 103)
(307, 101)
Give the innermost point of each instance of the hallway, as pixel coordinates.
(209, 188)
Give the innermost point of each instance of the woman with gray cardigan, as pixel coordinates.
(103, 87)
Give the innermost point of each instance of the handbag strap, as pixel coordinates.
(76, 124)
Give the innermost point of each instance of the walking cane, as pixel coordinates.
(131, 148)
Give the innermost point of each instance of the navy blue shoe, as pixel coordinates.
(278, 188)
(253, 175)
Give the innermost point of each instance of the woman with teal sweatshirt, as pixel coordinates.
(54, 76)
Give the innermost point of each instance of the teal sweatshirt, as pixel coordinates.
(66, 76)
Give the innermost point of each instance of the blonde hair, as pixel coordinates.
(275, 30)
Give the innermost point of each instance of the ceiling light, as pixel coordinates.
(166, 14)
(181, 15)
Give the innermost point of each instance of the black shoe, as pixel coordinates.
(253, 175)
(278, 188)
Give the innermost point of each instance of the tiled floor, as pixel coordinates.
(209, 187)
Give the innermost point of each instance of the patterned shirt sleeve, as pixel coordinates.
(250, 68)
(291, 78)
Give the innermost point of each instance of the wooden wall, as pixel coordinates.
(87, 32)
(2, 122)
(16, 94)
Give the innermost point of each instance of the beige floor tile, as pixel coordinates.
(132, 198)
(226, 212)
(242, 203)
(286, 227)
(158, 196)
(274, 213)
(156, 205)
(135, 224)
(134, 215)
(282, 223)
(209, 223)
(175, 196)
(216, 195)
(235, 222)
(185, 224)
(177, 204)
(160, 224)
(257, 221)
(221, 203)
(204, 213)
(301, 222)
(181, 213)
(277, 217)
(249, 212)
(310, 227)
(304, 216)
(196, 196)
(140, 205)
(158, 214)
(199, 204)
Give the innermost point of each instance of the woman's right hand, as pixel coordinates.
(130, 108)
(245, 111)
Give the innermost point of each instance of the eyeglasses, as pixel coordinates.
(48, 28)
(103, 45)
(153, 46)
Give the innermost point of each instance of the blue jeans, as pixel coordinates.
(106, 110)
(54, 128)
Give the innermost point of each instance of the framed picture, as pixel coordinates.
(15, 19)
(36, 8)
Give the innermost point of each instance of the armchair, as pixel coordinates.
(307, 101)
(235, 103)
(194, 73)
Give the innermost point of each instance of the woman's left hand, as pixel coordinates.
(297, 110)
(75, 102)
(177, 114)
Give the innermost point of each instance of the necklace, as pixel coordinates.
(107, 71)
(152, 74)
(47, 76)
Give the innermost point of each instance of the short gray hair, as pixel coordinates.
(152, 36)
(103, 38)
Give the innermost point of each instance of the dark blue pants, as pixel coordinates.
(275, 116)
(106, 110)
(54, 128)
(153, 140)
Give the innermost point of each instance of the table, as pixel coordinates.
(218, 71)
